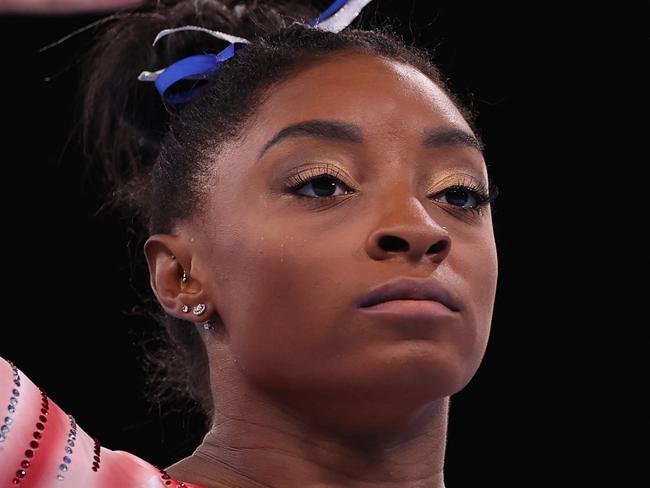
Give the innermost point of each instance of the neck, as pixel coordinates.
(257, 440)
(244, 450)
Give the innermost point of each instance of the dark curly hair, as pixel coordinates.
(152, 153)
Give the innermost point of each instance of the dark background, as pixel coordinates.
(558, 88)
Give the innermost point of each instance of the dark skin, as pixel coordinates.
(309, 391)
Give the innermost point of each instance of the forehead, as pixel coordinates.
(381, 95)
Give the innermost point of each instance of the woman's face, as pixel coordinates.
(286, 272)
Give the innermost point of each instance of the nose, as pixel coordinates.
(410, 232)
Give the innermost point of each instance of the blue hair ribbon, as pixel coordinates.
(199, 66)
(335, 18)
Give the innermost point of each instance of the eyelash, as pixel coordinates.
(483, 195)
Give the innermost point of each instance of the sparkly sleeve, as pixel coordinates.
(42, 447)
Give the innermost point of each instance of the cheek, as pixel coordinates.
(476, 268)
(486, 284)
(277, 300)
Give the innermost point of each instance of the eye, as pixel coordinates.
(318, 183)
(462, 196)
(468, 197)
(321, 187)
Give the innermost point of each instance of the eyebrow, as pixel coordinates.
(346, 132)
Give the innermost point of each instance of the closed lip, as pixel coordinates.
(410, 289)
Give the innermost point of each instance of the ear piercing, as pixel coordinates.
(184, 277)
(197, 310)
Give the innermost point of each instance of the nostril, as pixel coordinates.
(392, 243)
(438, 247)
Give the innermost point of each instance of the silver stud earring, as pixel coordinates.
(199, 309)
(186, 308)
(184, 278)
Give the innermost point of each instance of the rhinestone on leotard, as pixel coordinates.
(72, 434)
(11, 407)
(25, 464)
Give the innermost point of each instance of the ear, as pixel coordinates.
(168, 256)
